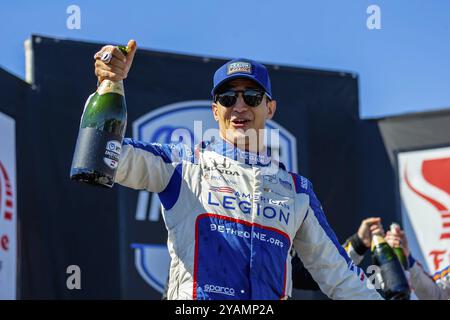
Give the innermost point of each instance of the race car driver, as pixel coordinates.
(231, 211)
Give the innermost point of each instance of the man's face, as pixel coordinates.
(241, 120)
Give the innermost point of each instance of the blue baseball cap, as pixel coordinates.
(242, 68)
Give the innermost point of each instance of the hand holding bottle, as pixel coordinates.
(104, 120)
(368, 227)
(397, 238)
(112, 64)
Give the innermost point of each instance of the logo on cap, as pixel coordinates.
(242, 67)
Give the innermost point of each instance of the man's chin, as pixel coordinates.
(242, 138)
(236, 134)
(240, 132)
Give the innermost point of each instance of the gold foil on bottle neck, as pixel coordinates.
(376, 240)
(108, 86)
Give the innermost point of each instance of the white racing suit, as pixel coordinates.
(232, 220)
(427, 287)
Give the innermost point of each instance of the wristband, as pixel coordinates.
(358, 245)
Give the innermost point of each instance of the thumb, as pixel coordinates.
(132, 45)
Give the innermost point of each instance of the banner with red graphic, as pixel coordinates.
(8, 246)
(425, 194)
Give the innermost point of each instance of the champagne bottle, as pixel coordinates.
(101, 133)
(399, 250)
(396, 285)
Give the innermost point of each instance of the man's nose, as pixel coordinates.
(240, 105)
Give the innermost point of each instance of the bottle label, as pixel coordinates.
(108, 86)
(97, 151)
(112, 153)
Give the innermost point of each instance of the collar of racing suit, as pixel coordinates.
(228, 150)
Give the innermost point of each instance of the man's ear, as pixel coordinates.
(271, 108)
(215, 110)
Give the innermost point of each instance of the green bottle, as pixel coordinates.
(396, 285)
(399, 250)
(101, 133)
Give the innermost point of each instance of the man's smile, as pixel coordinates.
(239, 123)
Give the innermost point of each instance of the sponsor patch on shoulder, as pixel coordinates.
(303, 182)
(242, 67)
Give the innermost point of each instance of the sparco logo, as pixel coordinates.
(6, 205)
(219, 289)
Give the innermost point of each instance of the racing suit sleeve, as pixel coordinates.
(326, 259)
(302, 279)
(355, 248)
(427, 287)
(149, 166)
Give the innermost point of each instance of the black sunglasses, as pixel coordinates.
(252, 97)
